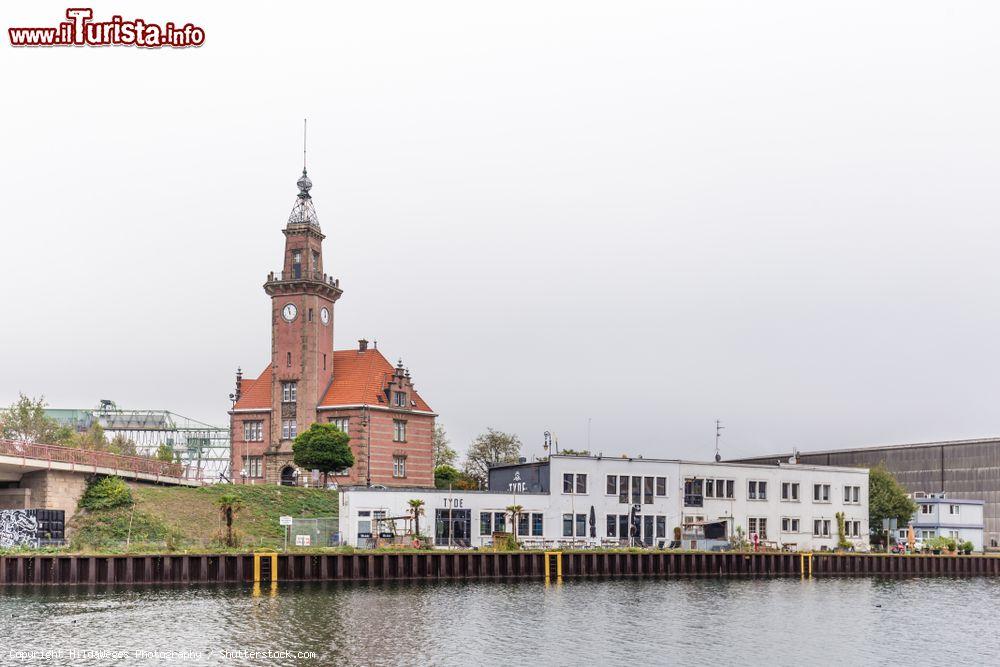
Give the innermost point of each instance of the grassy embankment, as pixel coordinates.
(188, 519)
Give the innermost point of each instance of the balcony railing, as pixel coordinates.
(87, 457)
(314, 276)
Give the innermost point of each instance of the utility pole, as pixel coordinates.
(718, 433)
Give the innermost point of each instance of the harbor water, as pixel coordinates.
(786, 621)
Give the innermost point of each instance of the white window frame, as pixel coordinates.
(289, 392)
(824, 525)
(254, 464)
(926, 508)
(824, 493)
(954, 510)
(789, 486)
(790, 524)
(399, 430)
(852, 494)
(398, 466)
(253, 430)
(343, 423)
(289, 429)
(575, 477)
(757, 489)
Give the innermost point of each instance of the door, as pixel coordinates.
(647, 530)
(453, 527)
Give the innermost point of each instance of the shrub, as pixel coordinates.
(505, 542)
(106, 493)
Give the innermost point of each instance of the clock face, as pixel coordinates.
(324, 315)
(289, 311)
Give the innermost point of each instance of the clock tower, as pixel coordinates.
(302, 300)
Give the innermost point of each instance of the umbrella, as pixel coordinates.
(593, 522)
(631, 525)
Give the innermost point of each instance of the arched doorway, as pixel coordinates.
(288, 476)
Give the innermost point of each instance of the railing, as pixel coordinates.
(88, 457)
(315, 276)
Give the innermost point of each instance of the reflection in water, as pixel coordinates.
(644, 622)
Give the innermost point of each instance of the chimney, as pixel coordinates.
(362, 345)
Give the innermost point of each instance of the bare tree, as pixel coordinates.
(491, 447)
(444, 455)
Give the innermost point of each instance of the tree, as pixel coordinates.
(515, 512)
(25, 419)
(887, 499)
(92, 439)
(229, 505)
(323, 447)
(122, 445)
(416, 509)
(451, 477)
(444, 455)
(490, 447)
(165, 453)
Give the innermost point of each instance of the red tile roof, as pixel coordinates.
(255, 394)
(360, 377)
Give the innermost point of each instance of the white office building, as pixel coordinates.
(608, 501)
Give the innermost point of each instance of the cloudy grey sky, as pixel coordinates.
(646, 214)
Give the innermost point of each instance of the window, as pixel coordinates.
(500, 522)
(253, 431)
(399, 399)
(324, 361)
(661, 486)
(756, 490)
(789, 524)
(790, 491)
(709, 488)
(821, 493)
(757, 525)
(647, 490)
(926, 509)
(288, 361)
(485, 523)
(954, 509)
(522, 523)
(297, 264)
(821, 527)
(953, 534)
(253, 465)
(574, 483)
(612, 525)
(853, 529)
(927, 534)
(612, 487)
(343, 423)
(730, 488)
(852, 494)
(309, 318)
(567, 525)
(623, 489)
(661, 526)
(315, 264)
(581, 525)
(636, 490)
(289, 391)
(398, 430)
(622, 526)
(289, 429)
(536, 524)
(399, 466)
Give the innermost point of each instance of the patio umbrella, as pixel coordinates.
(631, 525)
(593, 522)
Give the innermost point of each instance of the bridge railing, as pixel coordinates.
(87, 457)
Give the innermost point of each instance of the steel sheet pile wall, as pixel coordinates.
(62, 570)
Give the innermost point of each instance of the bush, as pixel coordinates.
(967, 546)
(106, 493)
(505, 542)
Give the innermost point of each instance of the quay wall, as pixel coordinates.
(386, 566)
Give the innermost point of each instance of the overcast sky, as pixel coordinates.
(648, 215)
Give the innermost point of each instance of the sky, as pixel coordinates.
(617, 221)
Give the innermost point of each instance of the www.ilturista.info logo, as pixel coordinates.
(81, 30)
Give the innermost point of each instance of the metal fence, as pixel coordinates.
(320, 532)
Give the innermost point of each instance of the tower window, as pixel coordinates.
(310, 314)
(315, 265)
(289, 358)
(324, 361)
(289, 392)
(289, 429)
(297, 264)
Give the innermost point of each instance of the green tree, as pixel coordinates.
(887, 499)
(444, 455)
(490, 447)
(416, 509)
(449, 476)
(165, 453)
(322, 447)
(122, 445)
(92, 439)
(25, 419)
(229, 505)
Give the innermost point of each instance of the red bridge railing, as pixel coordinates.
(91, 459)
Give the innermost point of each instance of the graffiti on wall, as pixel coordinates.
(18, 528)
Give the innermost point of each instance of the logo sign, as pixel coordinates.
(386, 536)
(365, 536)
(284, 520)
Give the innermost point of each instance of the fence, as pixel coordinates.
(321, 532)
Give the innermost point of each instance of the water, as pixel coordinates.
(631, 622)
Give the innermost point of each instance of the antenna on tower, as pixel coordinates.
(718, 433)
(304, 121)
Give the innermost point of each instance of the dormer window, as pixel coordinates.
(399, 399)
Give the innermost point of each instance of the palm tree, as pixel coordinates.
(515, 512)
(229, 505)
(416, 509)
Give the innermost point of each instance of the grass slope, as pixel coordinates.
(182, 517)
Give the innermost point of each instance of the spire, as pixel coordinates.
(303, 212)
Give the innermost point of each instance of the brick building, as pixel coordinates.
(359, 390)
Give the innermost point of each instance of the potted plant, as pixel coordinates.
(967, 547)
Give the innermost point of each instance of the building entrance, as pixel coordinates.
(453, 527)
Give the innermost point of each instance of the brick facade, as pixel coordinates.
(390, 426)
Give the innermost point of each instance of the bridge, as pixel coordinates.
(41, 476)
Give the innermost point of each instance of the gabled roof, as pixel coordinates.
(359, 378)
(255, 394)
